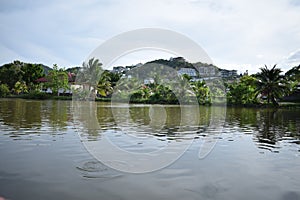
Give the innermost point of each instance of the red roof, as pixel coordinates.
(41, 80)
(71, 78)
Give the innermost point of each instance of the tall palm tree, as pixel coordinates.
(271, 83)
(92, 71)
(89, 76)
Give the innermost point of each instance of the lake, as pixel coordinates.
(45, 152)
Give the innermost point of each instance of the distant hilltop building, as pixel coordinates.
(119, 69)
(198, 71)
(228, 73)
(189, 71)
(123, 70)
(206, 70)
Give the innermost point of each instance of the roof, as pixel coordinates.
(41, 80)
(71, 78)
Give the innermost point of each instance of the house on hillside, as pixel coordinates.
(228, 73)
(188, 71)
(119, 69)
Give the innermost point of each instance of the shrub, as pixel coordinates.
(4, 90)
(38, 95)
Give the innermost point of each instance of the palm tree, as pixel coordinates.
(89, 76)
(271, 83)
(104, 86)
(92, 71)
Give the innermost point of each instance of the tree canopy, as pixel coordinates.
(17, 71)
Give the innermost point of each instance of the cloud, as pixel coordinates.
(66, 32)
(292, 60)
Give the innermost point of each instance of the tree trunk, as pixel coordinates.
(275, 103)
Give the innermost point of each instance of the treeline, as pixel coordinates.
(18, 77)
(22, 78)
(268, 86)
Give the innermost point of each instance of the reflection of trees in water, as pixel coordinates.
(85, 119)
(270, 125)
(242, 117)
(277, 125)
(160, 121)
(19, 113)
(57, 112)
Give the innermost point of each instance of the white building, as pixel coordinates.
(188, 71)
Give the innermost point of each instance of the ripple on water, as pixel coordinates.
(95, 169)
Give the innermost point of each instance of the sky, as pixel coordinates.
(242, 35)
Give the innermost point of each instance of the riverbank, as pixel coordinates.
(44, 96)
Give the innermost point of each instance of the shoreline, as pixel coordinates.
(69, 98)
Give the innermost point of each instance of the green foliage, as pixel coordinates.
(17, 71)
(175, 63)
(11, 73)
(4, 90)
(19, 78)
(293, 74)
(243, 92)
(104, 87)
(35, 94)
(141, 95)
(272, 84)
(162, 94)
(91, 72)
(202, 92)
(89, 77)
(31, 72)
(57, 79)
(187, 77)
(293, 78)
(20, 87)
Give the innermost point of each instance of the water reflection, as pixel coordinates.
(161, 121)
(20, 113)
(269, 127)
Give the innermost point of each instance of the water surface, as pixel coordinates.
(257, 154)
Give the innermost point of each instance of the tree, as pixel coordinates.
(202, 92)
(11, 73)
(104, 87)
(187, 77)
(31, 72)
(20, 87)
(57, 79)
(4, 90)
(271, 83)
(243, 92)
(293, 77)
(89, 77)
(293, 74)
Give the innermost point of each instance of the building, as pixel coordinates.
(228, 73)
(188, 71)
(205, 70)
(119, 69)
(71, 81)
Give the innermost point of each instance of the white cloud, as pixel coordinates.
(292, 60)
(65, 32)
